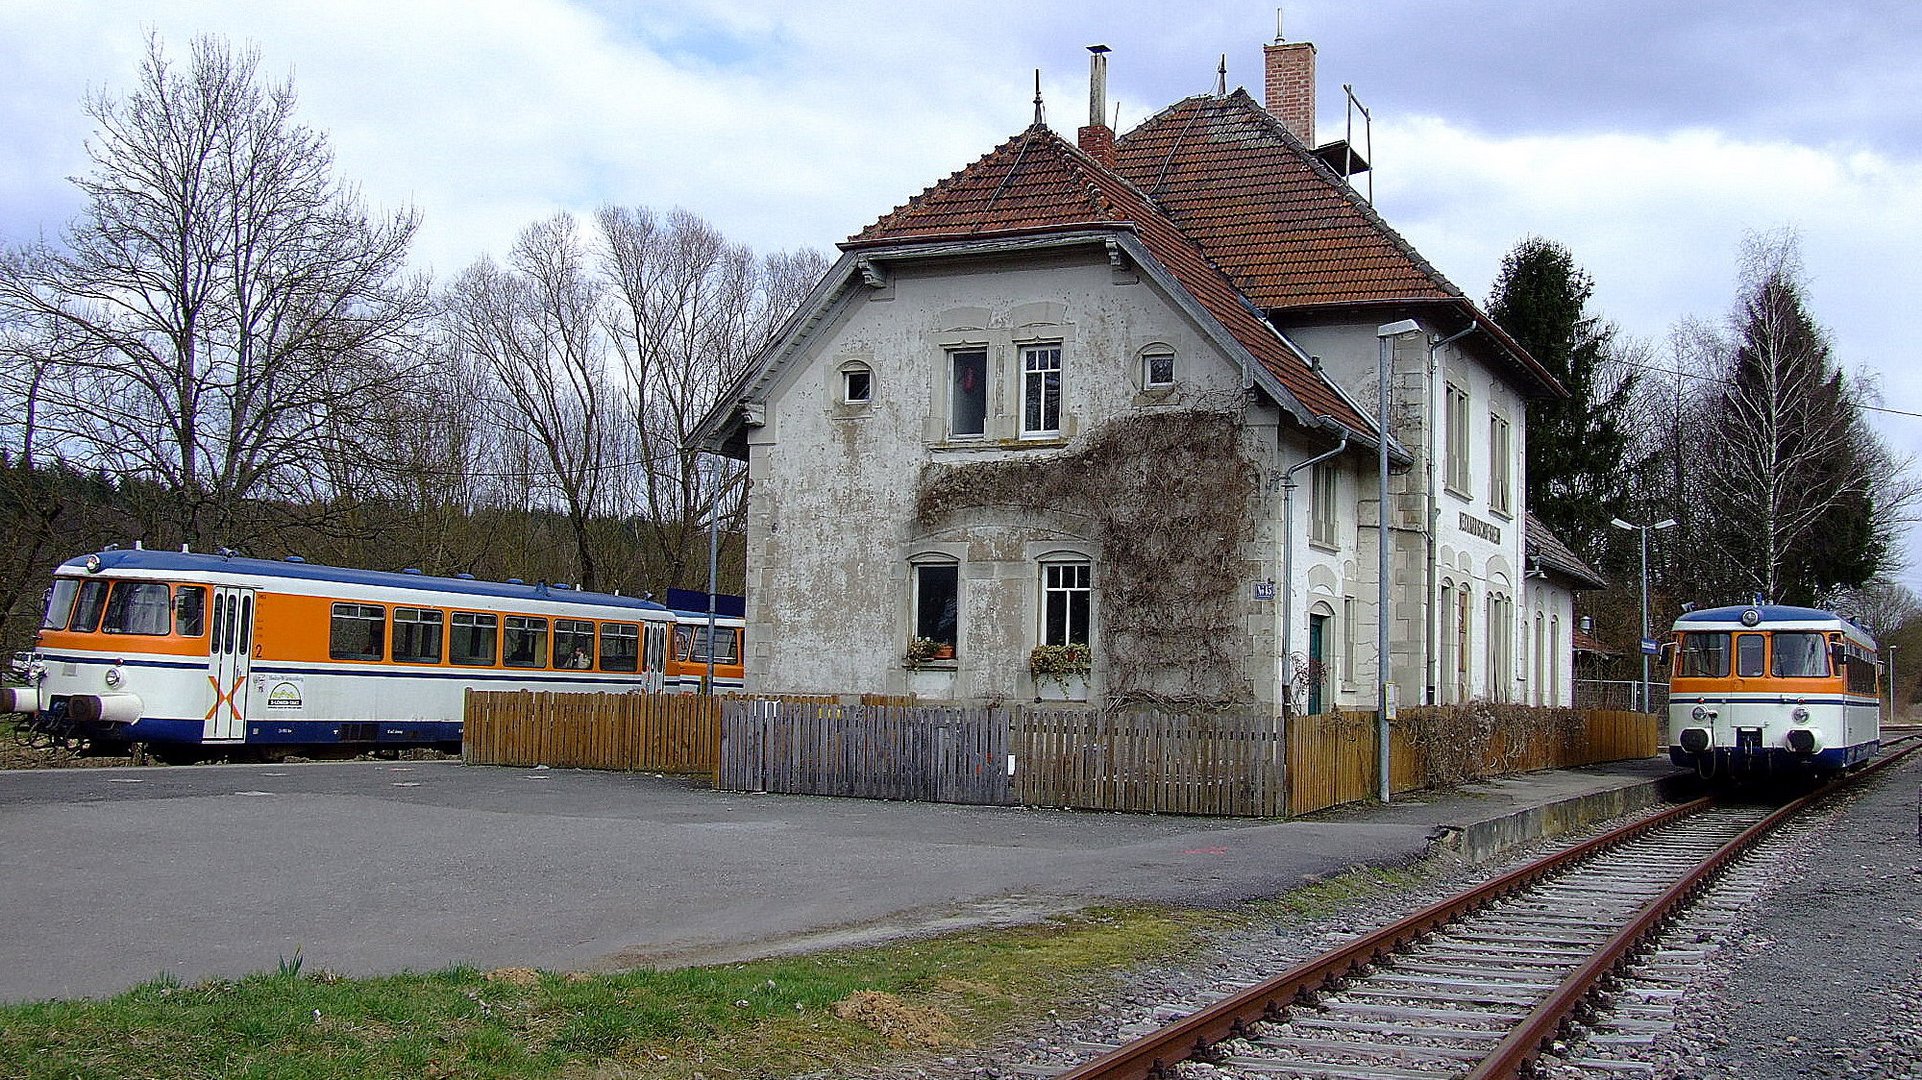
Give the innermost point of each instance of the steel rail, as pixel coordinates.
(1515, 1054)
(1155, 1054)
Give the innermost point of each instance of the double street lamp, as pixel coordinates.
(1642, 645)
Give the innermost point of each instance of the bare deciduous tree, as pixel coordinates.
(220, 294)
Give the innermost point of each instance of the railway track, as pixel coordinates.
(1479, 985)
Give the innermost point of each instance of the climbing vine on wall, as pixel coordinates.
(1171, 502)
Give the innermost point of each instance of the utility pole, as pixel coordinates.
(1665, 523)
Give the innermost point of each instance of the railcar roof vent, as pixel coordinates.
(464, 576)
(414, 570)
(294, 558)
(563, 586)
(516, 581)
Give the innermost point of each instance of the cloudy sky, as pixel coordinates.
(1647, 136)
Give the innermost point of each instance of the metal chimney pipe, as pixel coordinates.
(1098, 85)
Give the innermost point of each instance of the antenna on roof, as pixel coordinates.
(1037, 97)
(1348, 144)
(1221, 77)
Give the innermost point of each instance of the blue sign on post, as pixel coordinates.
(1651, 647)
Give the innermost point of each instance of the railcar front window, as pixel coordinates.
(573, 644)
(190, 610)
(138, 607)
(620, 646)
(691, 644)
(1801, 656)
(1704, 656)
(474, 638)
(357, 632)
(1748, 656)
(417, 635)
(59, 604)
(526, 642)
(87, 609)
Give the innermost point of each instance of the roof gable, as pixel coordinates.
(1038, 182)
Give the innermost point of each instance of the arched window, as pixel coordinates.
(1067, 599)
(856, 383)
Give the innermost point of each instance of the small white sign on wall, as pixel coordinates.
(1264, 590)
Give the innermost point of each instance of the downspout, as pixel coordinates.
(1288, 557)
(1431, 654)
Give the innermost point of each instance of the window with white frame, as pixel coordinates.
(1448, 643)
(1348, 640)
(1067, 590)
(1157, 369)
(857, 384)
(1040, 390)
(1541, 670)
(1501, 471)
(1457, 435)
(967, 392)
(1554, 660)
(1324, 481)
(1501, 647)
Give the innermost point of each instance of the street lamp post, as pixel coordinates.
(1892, 649)
(1641, 645)
(1383, 687)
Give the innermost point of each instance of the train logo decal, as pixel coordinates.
(284, 695)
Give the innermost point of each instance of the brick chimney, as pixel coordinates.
(1097, 139)
(1291, 86)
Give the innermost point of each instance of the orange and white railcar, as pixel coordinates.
(177, 649)
(1771, 688)
(706, 647)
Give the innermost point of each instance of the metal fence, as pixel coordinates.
(1622, 694)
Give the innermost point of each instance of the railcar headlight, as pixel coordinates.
(1800, 715)
(113, 676)
(1698, 714)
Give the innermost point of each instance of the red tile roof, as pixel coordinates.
(1036, 181)
(1284, 227)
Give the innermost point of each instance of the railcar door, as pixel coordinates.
(229, 664)
(655, 644)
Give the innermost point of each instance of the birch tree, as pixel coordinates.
(219, 297)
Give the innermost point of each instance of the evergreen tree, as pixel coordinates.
(1577, 445)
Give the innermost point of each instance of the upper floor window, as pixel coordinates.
(1321, 521)
(1457, 435)
(1500, 467)
(968, 392)
(857, 384)
(1040, 390)
(1157, 369)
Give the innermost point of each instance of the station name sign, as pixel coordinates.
(1474, 526)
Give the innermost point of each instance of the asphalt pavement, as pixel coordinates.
(109, 877)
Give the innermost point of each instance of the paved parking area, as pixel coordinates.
(112, 876)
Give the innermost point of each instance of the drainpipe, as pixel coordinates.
(1431, 655)
(1288, 560)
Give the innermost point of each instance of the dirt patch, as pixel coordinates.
(901, 1024)
(514, 976)
(21, 750)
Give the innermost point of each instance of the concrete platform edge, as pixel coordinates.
(1479, 841)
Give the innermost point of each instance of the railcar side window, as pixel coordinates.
(416, 635)
(1748, 656)
(573, 644)
(1801, 656)
(691, 643)
(1861, 670)
(1704, 656)
(59, 604)
(190, 610)
(86, 609)
(474, 638)
(137, 607)
(526, 642)
(358, 632)
(620, 646)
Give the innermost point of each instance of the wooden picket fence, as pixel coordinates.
(818, 747)
(1227, 763)
(1233, 762)
(1332, 758)
(679, 733)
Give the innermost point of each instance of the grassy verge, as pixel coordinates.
(764, 1019)
(767, 1019)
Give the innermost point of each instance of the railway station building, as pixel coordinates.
(1098, 420)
